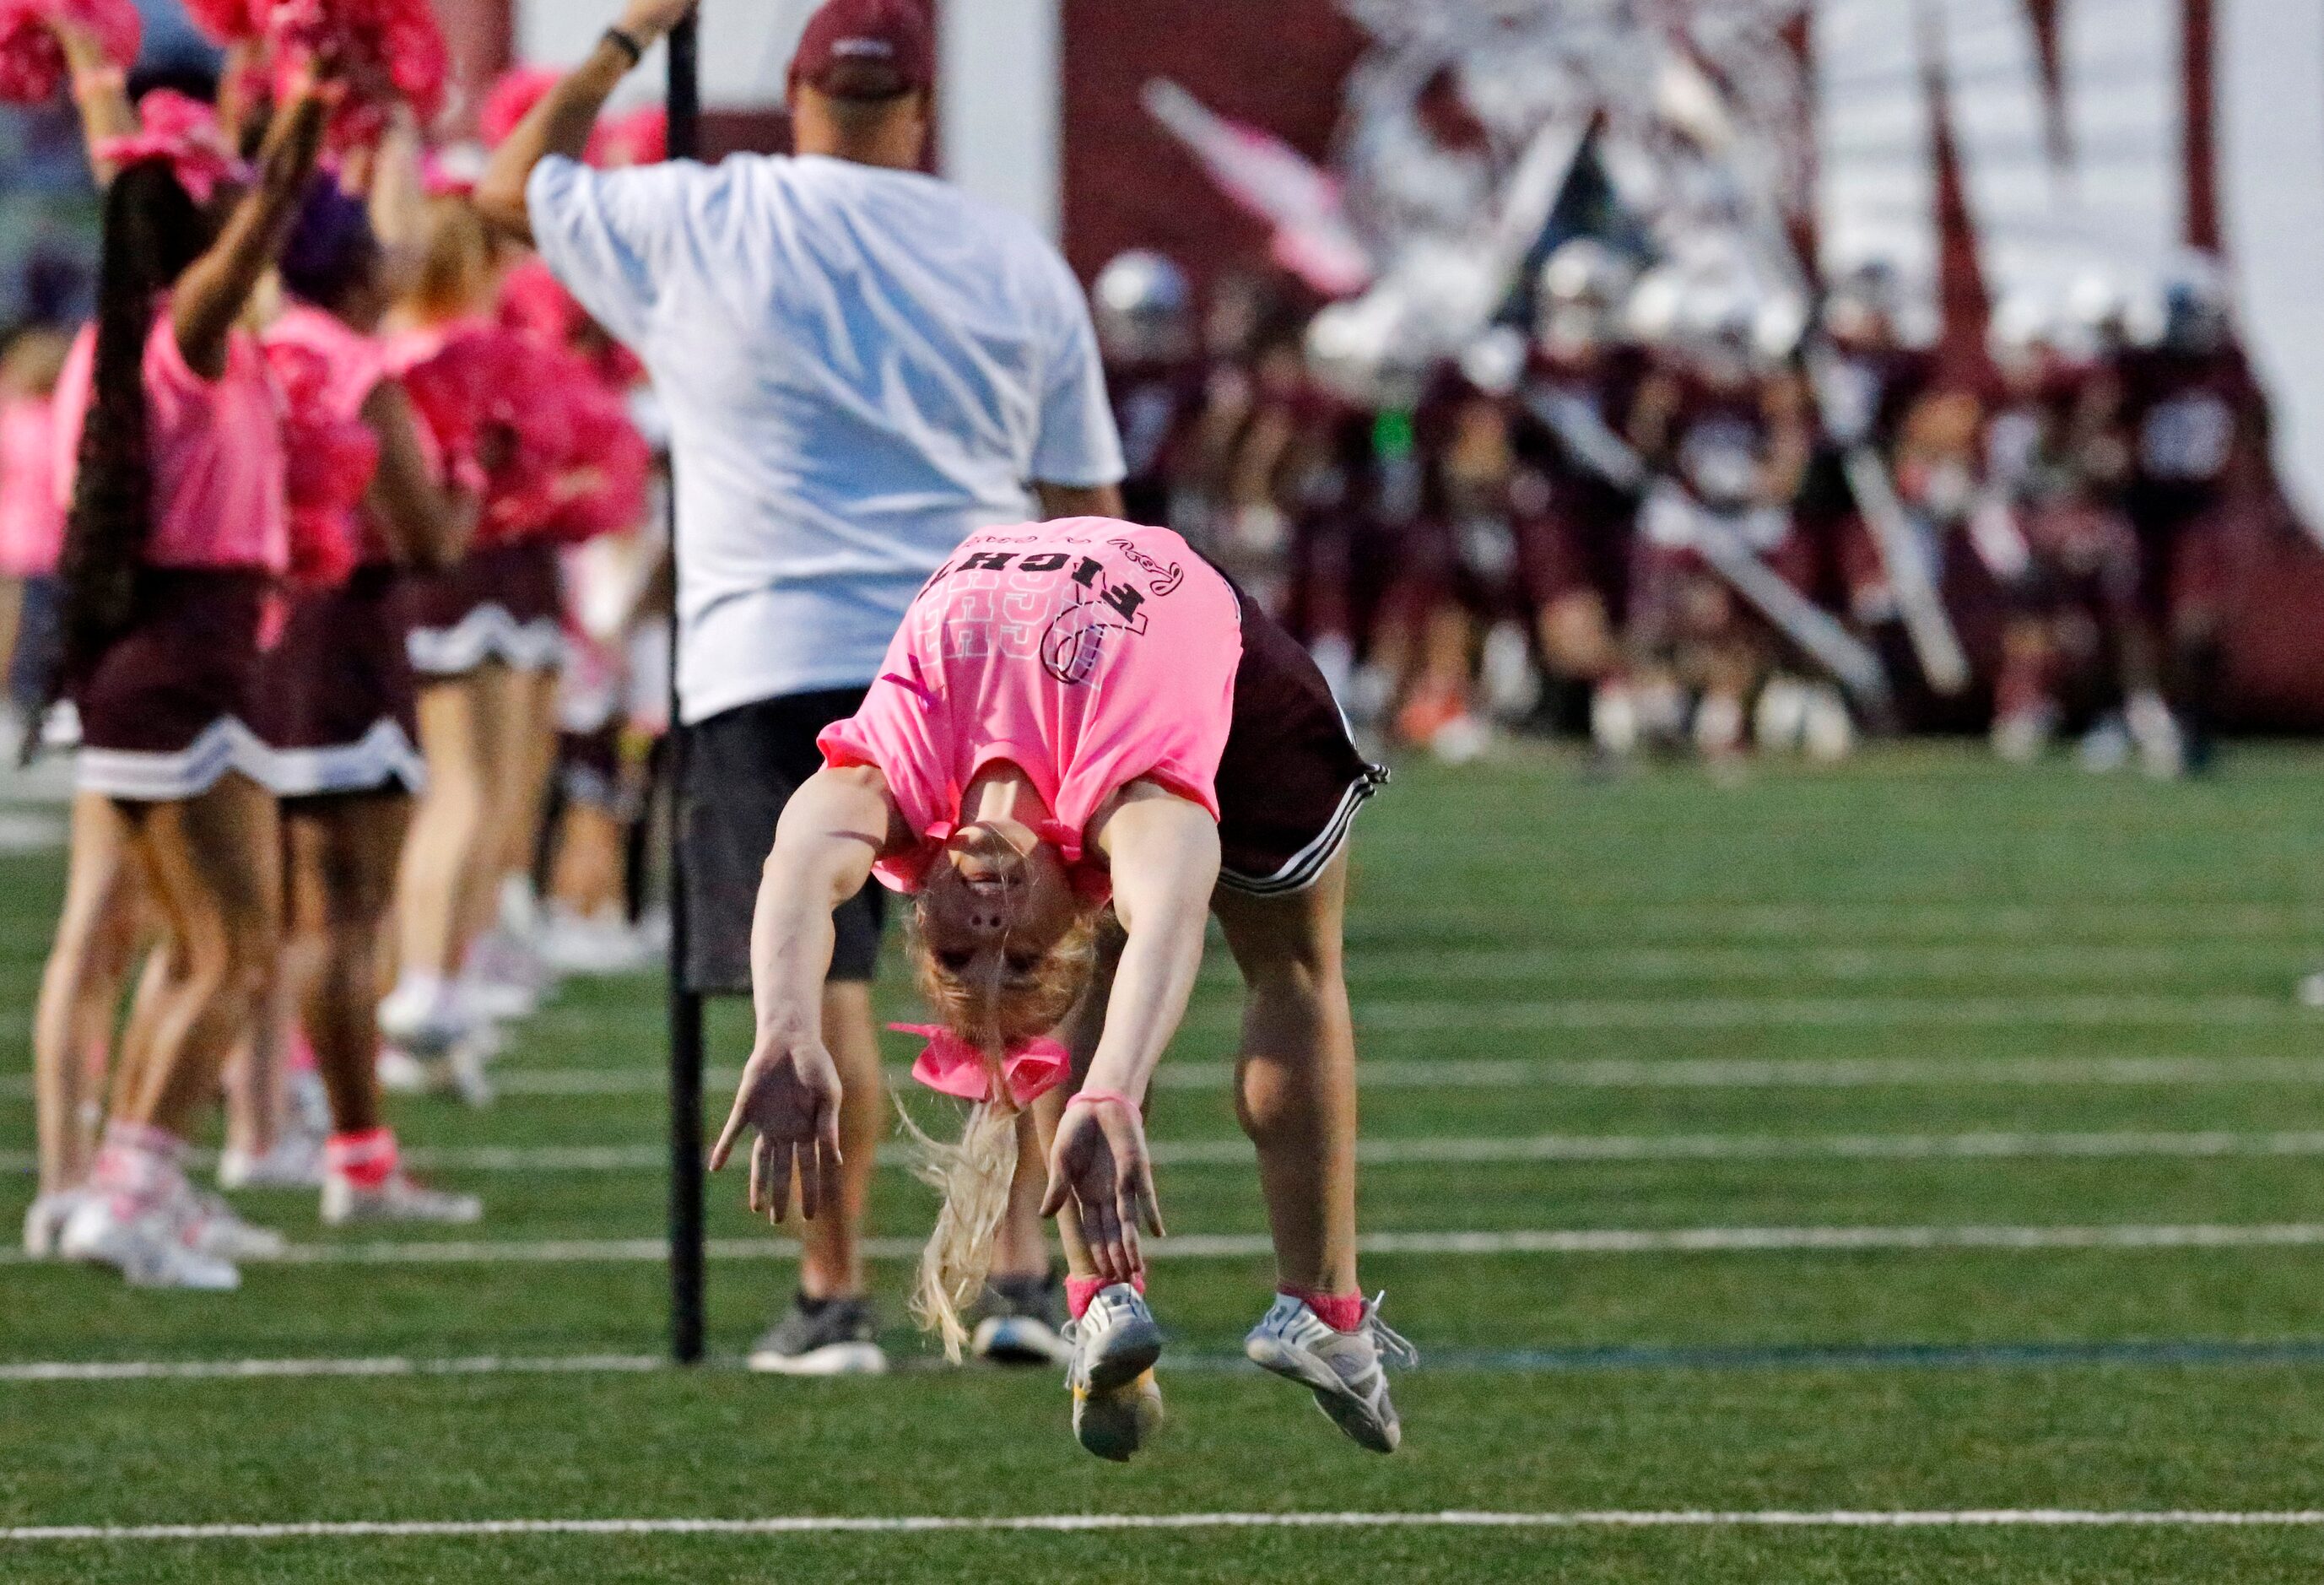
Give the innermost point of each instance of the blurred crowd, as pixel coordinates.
(1685, 516)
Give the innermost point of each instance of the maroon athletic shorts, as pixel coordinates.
(164, 709)
(1291, 779)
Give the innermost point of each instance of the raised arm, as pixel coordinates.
(561, 122)
(213, 293)
(1164, 853)
(428, 525)
(831, 829)
(99, 88)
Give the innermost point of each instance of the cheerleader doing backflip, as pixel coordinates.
(178, 522)
(1084, 742)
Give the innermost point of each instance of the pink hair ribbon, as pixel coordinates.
(951, 1065)
(186, 132)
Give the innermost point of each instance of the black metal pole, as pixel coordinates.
(686, 1266)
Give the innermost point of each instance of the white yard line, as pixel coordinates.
(1805, 1012)
(1251, 1246)
(99, 1371)
(923, 1524)
(2012, 961)
(1453, 1150)
(1611, 1074)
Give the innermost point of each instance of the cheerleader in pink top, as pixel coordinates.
(31, 514)
(175, 526)
(1085, 742)
(336, 707)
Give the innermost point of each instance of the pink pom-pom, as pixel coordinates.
(332, 459)
(32, 62)
(512, 99)
(535, 303)
(639, 138)
(497, 400)
(390, 51)
(605, 484)
(228, 21)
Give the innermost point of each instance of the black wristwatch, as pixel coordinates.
(627, 46)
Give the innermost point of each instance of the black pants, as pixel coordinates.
(742, 766)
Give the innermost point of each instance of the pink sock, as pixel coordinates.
(367, 1159)
(137, 1161)
(301, 1058)
(1340, 1311)
(1081, 1290)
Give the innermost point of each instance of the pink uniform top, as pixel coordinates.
(217, 449)
(357, 363)
(31, 514)
(1088, 653)
(351, 365)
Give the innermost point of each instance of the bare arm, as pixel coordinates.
(1164, 853)
(561, 122)
(428, 524)
(99, 89)
(213, 293)
(831, 829)
(1079, 500)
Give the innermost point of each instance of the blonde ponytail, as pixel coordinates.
(974, 1177)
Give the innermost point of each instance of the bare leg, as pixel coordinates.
(1021, 1249)
(831, 1253)
(532, 698)
(214, 864)
(342, 862)
(80, 989)
(438, 883)
(1295, 1089)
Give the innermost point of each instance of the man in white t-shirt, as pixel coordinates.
(863, 366)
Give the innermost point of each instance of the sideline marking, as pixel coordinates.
(1610, 1358)
(1449, 1519)
(1435, 1150)
(1738, 1241)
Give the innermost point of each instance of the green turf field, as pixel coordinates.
(1918, 1136)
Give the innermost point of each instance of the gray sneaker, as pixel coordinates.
(1345, 1369)
(822, 1337)
(1117, 1403)
(1023, 1321)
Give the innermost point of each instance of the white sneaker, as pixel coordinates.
(2022, 736)
(216, 1229)
(503, 977)
(396, 1199)
(2155, 732)
(1117, 1403)
(147, 1241)
(424, 1017)
(1345, 1369)
(458, 1072)
(44, 1222)
(593, 944)
(296, 1162)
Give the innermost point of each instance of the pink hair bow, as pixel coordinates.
(951, 1065)
(186, 132)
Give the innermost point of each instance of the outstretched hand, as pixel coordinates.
(1099, 1164)
(790, 1095)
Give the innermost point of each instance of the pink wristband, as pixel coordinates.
(1094, 1096)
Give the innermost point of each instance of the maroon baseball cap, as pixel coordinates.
(867, 50)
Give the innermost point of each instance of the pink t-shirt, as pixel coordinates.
(216, 449)
(31, 517)
(1087, 653)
